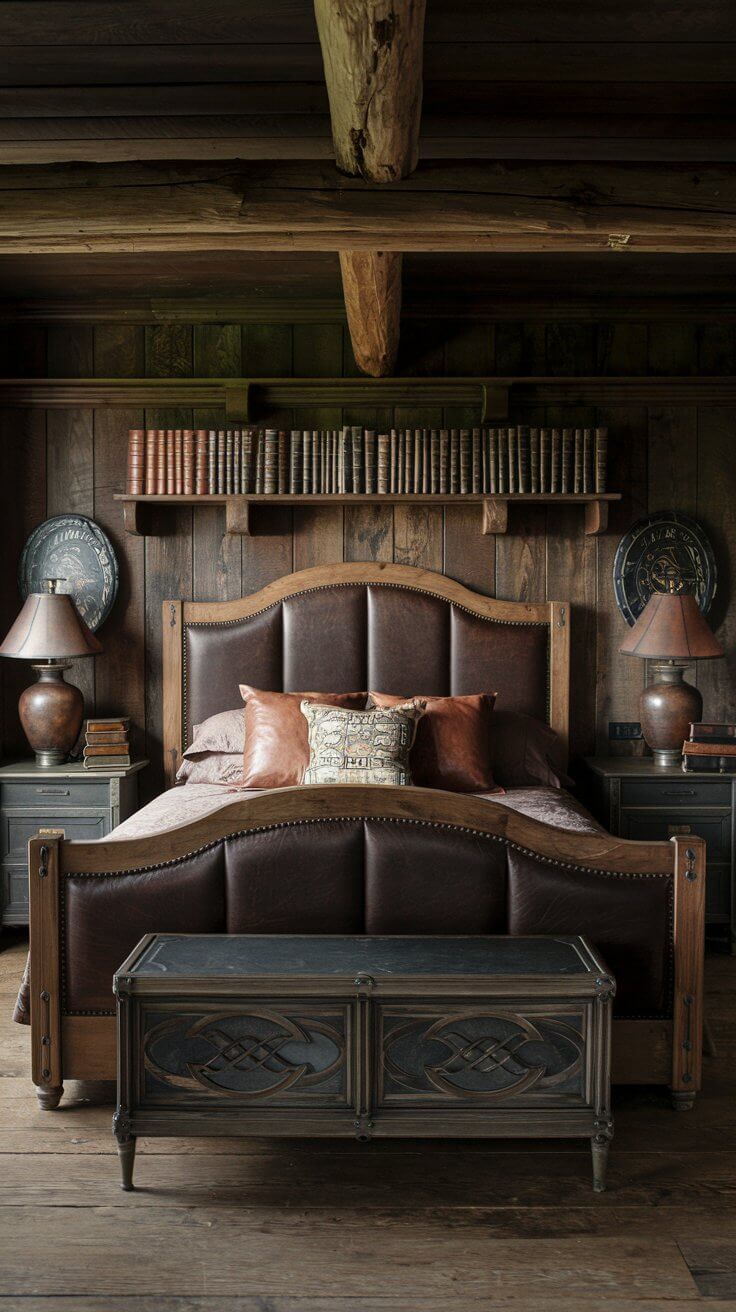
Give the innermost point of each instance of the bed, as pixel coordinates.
(365, 858)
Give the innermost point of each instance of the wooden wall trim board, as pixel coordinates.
(545, 555)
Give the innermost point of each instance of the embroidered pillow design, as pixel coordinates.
(360, 747)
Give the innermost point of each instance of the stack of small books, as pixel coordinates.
(710, 747)
(106, 743)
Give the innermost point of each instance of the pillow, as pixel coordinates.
(276, 745)
(453, 742)
(360, 747)
(211, 768)
(526, 753)
(224, 732)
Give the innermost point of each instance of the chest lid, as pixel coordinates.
(340, 964)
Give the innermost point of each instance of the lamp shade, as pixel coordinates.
(672, 627)
(49, 627)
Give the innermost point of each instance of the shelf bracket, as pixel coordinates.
(237, 517)
(596, 518)
(132, 511)
(495, 517)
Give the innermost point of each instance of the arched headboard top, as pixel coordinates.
(346, 627)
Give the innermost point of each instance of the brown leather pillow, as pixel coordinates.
(526, 753)
(276, 739)
(452, 749)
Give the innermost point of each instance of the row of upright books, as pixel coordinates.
(443, 461)
(107, 743)
(710, 747)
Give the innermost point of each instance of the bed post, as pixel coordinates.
(173, 631)
(689, 932)
(46, 1054)
(559, 670)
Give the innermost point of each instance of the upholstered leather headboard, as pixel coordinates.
(341, 628)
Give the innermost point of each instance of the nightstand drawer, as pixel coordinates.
(57, 792)
(648, 827)
(20, 826)
(668, 793)
(14, 894)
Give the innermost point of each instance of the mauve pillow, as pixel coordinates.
(224, 732)
(526, 753)
(276, 739)
(452, 749)
(211, 768)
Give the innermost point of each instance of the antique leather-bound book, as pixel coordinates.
(554, 481)
(601, 458)
(566, 472)
(188, 461)
(370, 460)
(161, 467)
(382, 464)
(522, 481)
(151, 481)
(136, 461)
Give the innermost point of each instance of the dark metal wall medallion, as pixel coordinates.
(73, 548)
(668, 552)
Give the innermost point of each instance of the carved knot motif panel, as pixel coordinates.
(490, 1055)
(255, 1055)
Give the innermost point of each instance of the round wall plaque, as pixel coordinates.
(668, 552)
(75, 549)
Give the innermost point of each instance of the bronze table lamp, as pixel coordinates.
(48, 632)
(670, 629)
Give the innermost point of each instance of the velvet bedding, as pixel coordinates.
(188, 802)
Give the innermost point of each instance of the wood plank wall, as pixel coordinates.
(74, 460)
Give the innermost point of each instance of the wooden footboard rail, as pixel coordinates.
(657, 1051)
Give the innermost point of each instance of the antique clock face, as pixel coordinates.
(663, 553)
(74, 549)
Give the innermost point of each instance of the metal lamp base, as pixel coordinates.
(51, 713)
(667, 708)
(668, 760)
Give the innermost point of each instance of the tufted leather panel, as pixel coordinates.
(377, 877)
(424, 880)
(219, 657)
(342, 638)
(106, 915)
(508, 658)
(408, 643)
(626, 916)
(298, 879)
(325, 640)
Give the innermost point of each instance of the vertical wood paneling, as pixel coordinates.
(22, 470)
(717, 512)
(217, 570)
(120, 671)
(671, 457)
(317, 353)
(168, 551)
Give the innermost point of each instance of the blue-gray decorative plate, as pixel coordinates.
(75, 549)
(668, 552)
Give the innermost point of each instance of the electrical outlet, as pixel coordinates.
(623, 730)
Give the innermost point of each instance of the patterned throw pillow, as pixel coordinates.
(360, 747)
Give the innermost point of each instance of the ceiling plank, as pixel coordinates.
(371, 282)
(295, 206)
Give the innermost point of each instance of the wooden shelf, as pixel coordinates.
(494, 508)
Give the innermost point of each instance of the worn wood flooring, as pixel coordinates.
(314, 1226)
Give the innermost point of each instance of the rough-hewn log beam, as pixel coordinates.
(371, 283)
(290, 206)
(372, 54)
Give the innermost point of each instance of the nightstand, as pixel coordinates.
(84, 803)
(634, 798)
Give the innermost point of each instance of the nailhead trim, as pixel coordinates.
(325, 587)
(353, 819)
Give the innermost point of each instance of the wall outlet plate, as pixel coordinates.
(620, 731)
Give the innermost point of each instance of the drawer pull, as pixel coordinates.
(679, 829)
(679, 792)
(53, 792)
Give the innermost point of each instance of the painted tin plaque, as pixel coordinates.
(74, 549)
(668, 552)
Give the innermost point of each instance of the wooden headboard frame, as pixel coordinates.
(177, 614)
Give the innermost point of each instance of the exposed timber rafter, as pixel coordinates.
(371, 282)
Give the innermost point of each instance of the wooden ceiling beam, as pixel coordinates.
(307, 207)
(371, 282)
